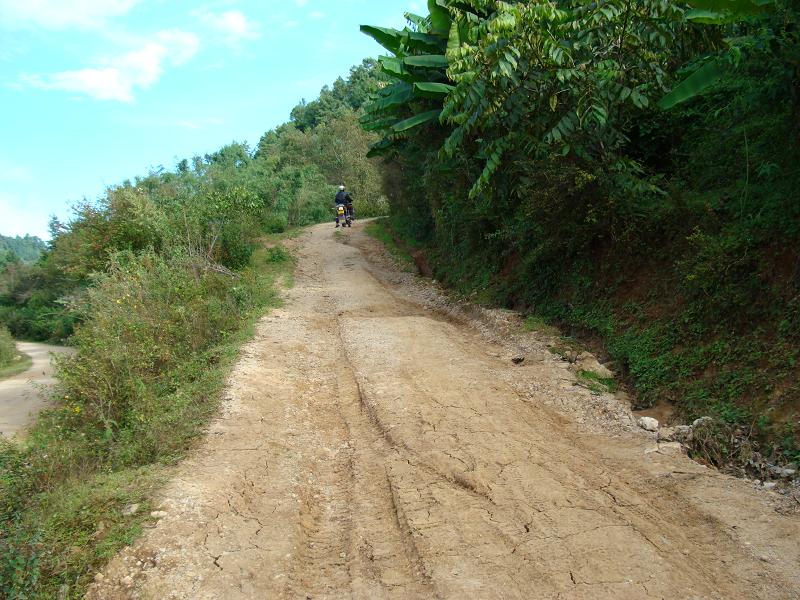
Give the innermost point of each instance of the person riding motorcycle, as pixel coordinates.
(343, 197)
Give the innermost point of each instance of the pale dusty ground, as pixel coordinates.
(23, 396)
(377, 443)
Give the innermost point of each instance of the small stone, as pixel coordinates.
(787, 473)
(343, 555)
(127, 581)
(770, 485)
(158, 514)
(702, 421)
(99, 577)
(648, 423)
(518, 360)
(680, 433)
(670, 448)
(131, 510)
(666, 434)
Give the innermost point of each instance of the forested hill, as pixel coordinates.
(26, 249)
(628, 170)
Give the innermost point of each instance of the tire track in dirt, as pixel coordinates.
(374, 445)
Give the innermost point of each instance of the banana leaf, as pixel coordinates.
(386, 37)
(430, 89)
(704, 77)
(440, 17)
(736, 8)
(417, 120)
(429, 61)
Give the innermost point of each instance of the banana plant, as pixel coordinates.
(418, 65)
(710, 70)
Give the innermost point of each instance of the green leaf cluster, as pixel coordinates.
(417, 66)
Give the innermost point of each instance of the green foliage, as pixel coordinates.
(772, 39)
(381, 232)
(597, 384)
(24, 249)
(345, 95)
(418, 67)
(8, 350)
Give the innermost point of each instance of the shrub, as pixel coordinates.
(8, 350)
(145, 318)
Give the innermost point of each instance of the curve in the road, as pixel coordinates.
(23, 396)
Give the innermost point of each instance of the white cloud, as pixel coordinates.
(301, 2)
(117, 78)
(315, 14)
(233, 24)
(61, 14)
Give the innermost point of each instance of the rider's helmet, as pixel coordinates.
(341, 188)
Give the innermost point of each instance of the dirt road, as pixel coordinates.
(21, 396)
(374, 447)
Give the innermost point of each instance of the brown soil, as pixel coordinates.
(380, 443)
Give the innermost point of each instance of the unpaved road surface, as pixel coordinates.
(373, 446)
(23, 396)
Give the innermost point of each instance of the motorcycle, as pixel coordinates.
(343, 216)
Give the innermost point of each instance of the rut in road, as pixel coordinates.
(373, 447)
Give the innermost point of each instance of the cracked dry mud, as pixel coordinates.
(373, 446)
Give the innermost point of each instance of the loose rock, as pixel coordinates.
(680, 433)
(648, 423)
(131, 510)
(702, 421)
(587, 362)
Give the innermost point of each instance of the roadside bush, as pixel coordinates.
(7, 348)
(145, 318)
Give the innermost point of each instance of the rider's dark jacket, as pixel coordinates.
(343, 198)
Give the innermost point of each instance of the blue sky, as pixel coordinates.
(94, 92)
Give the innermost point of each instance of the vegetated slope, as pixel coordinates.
(26, 249)
(156, 285)
(8, 351)
(554, 185)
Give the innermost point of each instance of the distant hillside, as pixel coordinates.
(27, 249)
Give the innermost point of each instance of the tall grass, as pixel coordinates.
(8, 350)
